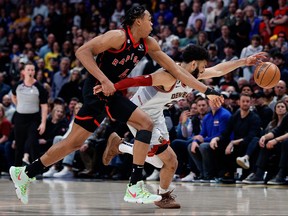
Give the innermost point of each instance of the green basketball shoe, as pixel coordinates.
(21, 182)
(139, 194)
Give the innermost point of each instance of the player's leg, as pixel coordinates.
(85, 124)
(116, 145)
(154, 160)
(143, 124)
(166, 154)
(22, 176)
(169, 158)
(72, 143)
(123, 110)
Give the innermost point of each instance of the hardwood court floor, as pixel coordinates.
(91, 197)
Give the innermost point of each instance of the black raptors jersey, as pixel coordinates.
(117, 64)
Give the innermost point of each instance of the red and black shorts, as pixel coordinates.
(95, 110)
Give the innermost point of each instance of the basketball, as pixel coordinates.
(266, 75)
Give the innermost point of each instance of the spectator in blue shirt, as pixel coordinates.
(213, 124)
(61, 77)
(163, 11)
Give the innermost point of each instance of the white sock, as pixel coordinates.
(155, 161)
(126, 147)
(163, 191)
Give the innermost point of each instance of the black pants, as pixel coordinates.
(26, 133)
(280, 151)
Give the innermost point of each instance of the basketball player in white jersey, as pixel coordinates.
(160, 89)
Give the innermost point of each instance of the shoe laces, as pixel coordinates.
(144, 191)
(168, 196)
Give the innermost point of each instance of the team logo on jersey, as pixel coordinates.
(141, 47)
(161, 139)
(128, 48)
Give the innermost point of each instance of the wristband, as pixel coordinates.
(210, 91)
(197, 141)
(145, 80)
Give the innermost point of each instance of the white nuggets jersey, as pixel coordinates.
(152, 100)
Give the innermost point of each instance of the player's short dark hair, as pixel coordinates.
(132, 14)
(194, 53)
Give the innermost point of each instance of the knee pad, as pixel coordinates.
(144, 136)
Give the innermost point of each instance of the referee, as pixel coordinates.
(30, 99)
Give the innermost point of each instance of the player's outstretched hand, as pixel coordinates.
(256, 58)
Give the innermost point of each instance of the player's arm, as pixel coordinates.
(226, 67)
(180, 73)
(158, 78)
(113, 39)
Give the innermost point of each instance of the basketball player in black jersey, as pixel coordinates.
(118, 52)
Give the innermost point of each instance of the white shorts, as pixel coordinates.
(159, 132)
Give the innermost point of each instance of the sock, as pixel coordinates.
(136, 174)
(126, 147)
(163, 191)
(35, 168)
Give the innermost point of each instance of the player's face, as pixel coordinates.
(146, 24)
(200, 68)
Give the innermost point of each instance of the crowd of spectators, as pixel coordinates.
(48, 32)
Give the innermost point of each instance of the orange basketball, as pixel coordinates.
(266, 75)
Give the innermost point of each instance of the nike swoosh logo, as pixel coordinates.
(19, 176)
(133, 195)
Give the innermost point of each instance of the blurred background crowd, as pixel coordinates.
(48, 32)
